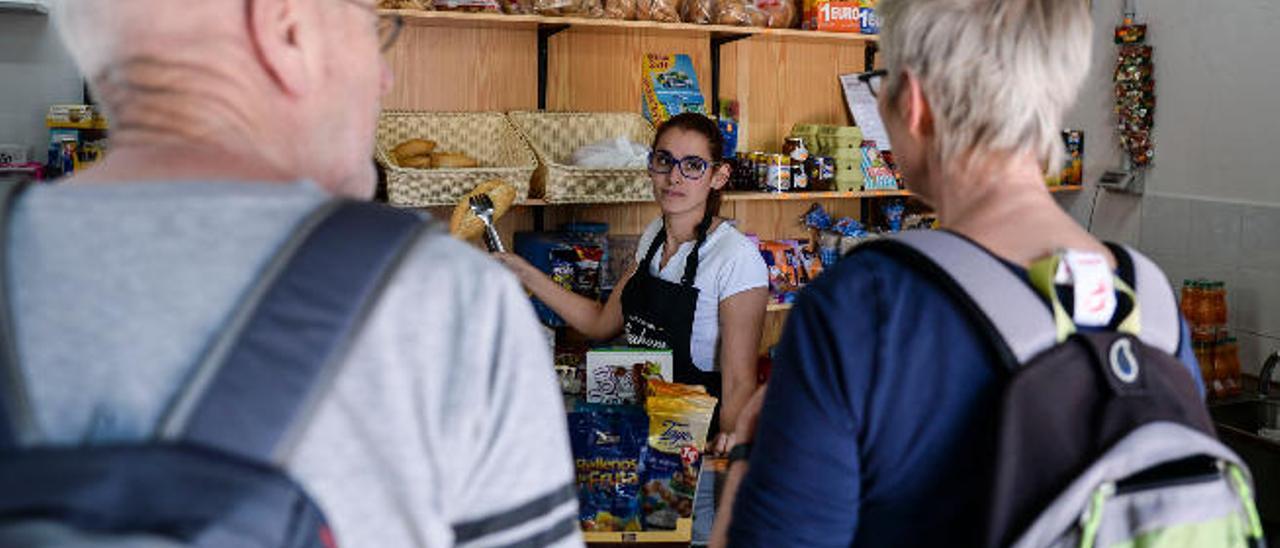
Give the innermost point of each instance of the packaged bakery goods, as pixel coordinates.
(620, 9)
(608, 446)
(666, 11)
(569, 8)
(701, 12)
(780, 14)
(679, 419)
(517, 7)
(741, 13)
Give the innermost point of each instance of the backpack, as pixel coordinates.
(212, 475)
(1103, 438)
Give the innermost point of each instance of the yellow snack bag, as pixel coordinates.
(679, 419)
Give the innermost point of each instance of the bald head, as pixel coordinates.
(295, 83)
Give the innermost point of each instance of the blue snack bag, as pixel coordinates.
(608, 445)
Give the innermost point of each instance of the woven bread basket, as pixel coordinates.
(486, 136)
(555, 136)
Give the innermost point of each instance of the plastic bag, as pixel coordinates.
(517, 7)
(699, 11)
(666, 11)
(608, 446)
(741, 13)
(612, 153)
(569, 8)
(780, 14)
(620, 9)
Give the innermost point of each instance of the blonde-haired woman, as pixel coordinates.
(879, 423)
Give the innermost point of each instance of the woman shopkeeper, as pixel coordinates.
(699, 287)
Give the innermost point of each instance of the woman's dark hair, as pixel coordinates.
(708, 128)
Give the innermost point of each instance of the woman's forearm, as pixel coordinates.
(585, 315)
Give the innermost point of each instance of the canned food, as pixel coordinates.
(778, 173)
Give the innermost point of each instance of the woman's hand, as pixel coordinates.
(722, 444)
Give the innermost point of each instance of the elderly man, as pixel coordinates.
(232, 121)
(879, 425)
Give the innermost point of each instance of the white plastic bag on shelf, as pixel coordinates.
(612, 153)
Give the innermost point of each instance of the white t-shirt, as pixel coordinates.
(729, 263)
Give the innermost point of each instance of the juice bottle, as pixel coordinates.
(1227, 366)
(1203, 327)
(1204, 355)
(1188, 303)
(1220, 304)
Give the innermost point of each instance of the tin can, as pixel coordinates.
(778, 173)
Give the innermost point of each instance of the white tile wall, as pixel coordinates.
(1236, 243)
(1166, 226)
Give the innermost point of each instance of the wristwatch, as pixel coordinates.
(742, 451)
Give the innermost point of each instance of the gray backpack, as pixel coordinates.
(1103, 437)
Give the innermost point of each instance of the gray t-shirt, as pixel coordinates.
(443, 428)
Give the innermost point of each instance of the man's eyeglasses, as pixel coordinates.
(873, 80)
(389, 26)
(692, 167)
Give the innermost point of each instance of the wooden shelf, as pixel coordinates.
(496, 20)
(741, 196)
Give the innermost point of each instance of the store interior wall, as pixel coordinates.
(1212, 202)
(35, 71)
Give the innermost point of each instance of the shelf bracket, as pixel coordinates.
(545, 32)
(870, 52)
(718, 40)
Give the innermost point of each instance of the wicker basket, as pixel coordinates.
(555, 136)
(488, 137)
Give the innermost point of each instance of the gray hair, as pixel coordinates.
(999, 75)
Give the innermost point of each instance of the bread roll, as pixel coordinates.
(412, 148)
(452, 160)
(417, 162)
(465, 225)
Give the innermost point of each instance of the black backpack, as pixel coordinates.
(211, 475)
(1102, 438)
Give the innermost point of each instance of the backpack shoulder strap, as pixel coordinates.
(1160, 319)
(1001, 303)
(16, 422)
(275, 358)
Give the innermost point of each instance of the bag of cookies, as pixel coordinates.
(679, 419)
(740, 13)
(608, 444)
(701, 12)
(666, 11)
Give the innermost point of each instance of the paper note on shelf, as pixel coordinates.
(865, 110)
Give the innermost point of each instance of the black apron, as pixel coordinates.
(659, 314)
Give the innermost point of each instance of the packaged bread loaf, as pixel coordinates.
(741, 13)
(781, 14)
(700, 12)
(620, 9)
(666, 11)
(517, 7)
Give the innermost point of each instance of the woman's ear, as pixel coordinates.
(720, 176)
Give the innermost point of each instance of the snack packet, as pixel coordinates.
(679, 419)
(608, 444)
